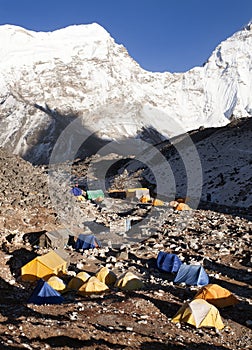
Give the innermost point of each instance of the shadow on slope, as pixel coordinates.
(44, 141)
(67, 139)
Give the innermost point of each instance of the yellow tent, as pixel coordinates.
(93, 286)
(77, 281)
(216, 295)
(106, 276)
(199, 313)
(56, 283)
(129, 281)
(157, 202)
(182, 206)
(43, 266)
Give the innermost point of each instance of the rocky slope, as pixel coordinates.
(50, 79)
(140, 319)
(119, 320)
(212, 164)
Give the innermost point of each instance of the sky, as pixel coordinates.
(161, 35)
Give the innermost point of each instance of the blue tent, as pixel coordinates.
(76, 191)
(87, 242)
(193, 275)
(168, 262)
(45, 294)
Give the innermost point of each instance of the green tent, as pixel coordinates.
(94, 194)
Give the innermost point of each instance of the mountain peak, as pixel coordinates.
(80, 71)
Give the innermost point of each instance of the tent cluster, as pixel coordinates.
(179, 205)
(140, 194)
(202, 311)
(50, 270)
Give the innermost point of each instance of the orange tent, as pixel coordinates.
(216, 295)
(157, 202)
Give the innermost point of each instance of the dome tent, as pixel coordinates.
(106, 276)
(199, 313)
(87, 242)
(45, 294)
(77, 281)
(56, 283)
(92, 286)
(193, 275)
(168, 262)
(216, 295)
(129, 281)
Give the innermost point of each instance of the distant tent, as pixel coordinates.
(193, 275)
(87, 242)
(77, 281)
(199, 313)
(137, 192)
(145, 199)
(182, 206)
(168, 262)
(216, 295)
(56, 283)
(120, 226)
(43, 266)
(129, 281)
(45, 294)
(53, 239)
(106, 276)
(117, 194)
(95, 194)
(92, 286)
(157, 202)
(76, 191)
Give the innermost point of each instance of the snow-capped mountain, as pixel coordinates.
(48, 79)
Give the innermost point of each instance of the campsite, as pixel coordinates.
(83, 291)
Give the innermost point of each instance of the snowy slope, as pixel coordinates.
(49, 79)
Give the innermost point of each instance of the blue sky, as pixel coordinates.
(161, 35)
